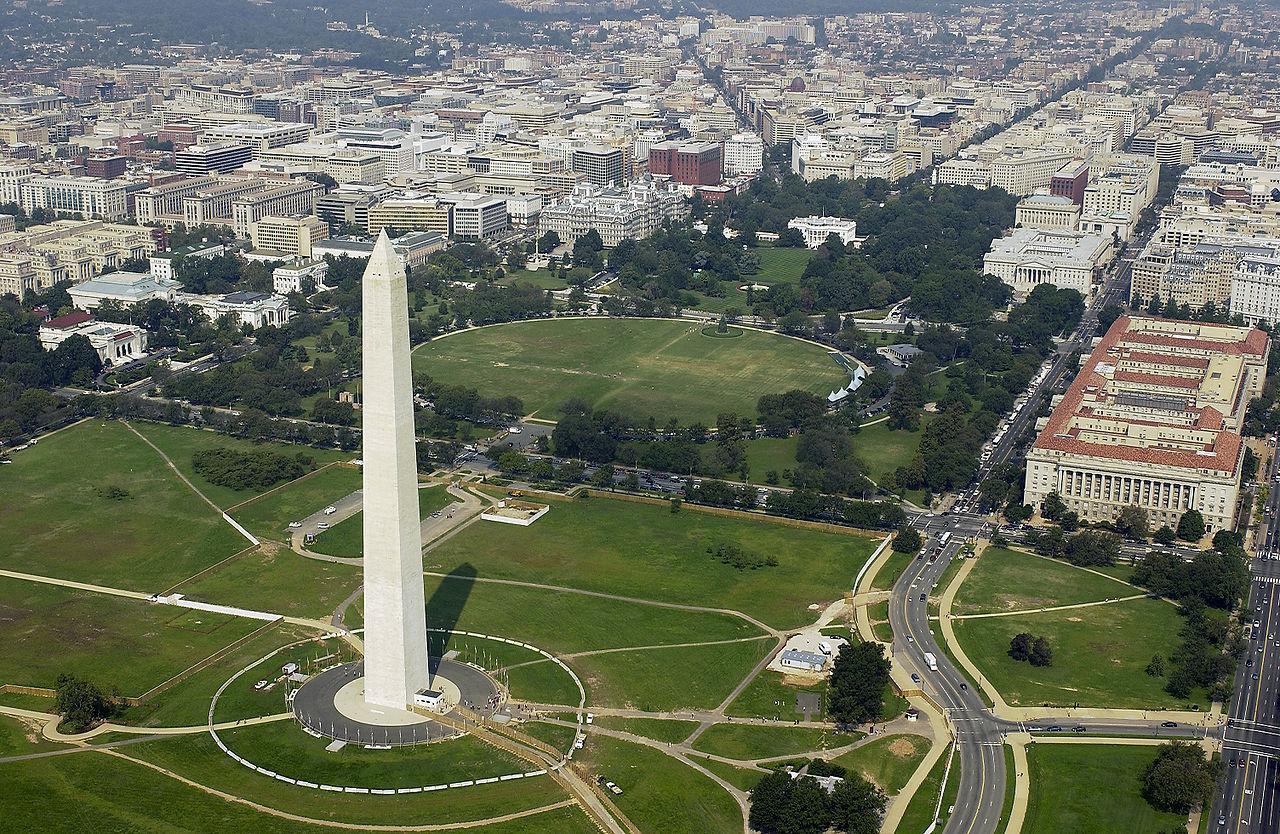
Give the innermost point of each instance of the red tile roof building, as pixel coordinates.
(1153, 420)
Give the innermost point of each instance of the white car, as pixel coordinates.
(330, 510)
(324, 525)
(260, 685)
(515, 430)
(294, 525)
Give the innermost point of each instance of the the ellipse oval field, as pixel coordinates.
(637, 367)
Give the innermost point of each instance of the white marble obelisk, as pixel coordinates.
(395, 636)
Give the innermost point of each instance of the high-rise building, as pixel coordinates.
(691, 163)
(743, 155)
(601, 166)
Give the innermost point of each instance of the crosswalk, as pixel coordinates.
(1270, 580)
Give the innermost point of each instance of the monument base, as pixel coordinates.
(332, 704)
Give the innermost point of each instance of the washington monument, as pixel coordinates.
(395, 633)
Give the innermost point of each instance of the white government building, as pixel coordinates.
(816, 230)
(1026, 258)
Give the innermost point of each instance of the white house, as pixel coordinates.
(816, 230)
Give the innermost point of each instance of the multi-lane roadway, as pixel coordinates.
(1248, 798)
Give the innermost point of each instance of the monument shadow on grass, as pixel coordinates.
(444, 610)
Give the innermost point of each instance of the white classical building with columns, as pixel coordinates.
(1153, 420)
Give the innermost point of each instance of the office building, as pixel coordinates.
(411, 214)
(1153, 421)
(743, 155)
(1047, 211)
(602, 166)
(212, 158)
(690, 163)
(296, 197)
(85, 196)
(292, 236)
(616, 214)
(477, 216)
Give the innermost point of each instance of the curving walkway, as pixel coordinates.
(1047, 609)
(298, 818)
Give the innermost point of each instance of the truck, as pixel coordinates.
(931, 661)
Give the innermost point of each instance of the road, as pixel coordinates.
(1248, 797)
(979, 733)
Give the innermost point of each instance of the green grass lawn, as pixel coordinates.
(112, 641)
(920, 808)
(564, 621)
(659, 729)
(55, 521)
(640, 368)
(889, 572)
(657, 680)
(660, 794)
(1099, 655)
(17, 738)
(270, 514)
(746, 742)
(282, 746)
(106, 795)
(186, 704)
(197, 757)
(181, 442)
(1006, 580)
(541, 278)
(740, 777)
(768, 697)
(559, 737)
(346, 537)
(648, 552)
(274, 579)
(1095, 788)
(777, 266)
(884, 449)
(765, 454)
(888, 761)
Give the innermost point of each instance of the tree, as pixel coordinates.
(1132, 522)
(1092, 548)
(1179, 779)
(1020, 646)
(907, 540)
(792, 238)
(769, 802)
(1041, 653)
(858, 678)
(1191, 526)
(807, 809)
(1164, 535)
(856, 805)
(1156, 668)
(81, 703)
(1053, 507)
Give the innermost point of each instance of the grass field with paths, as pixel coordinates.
(640, 368)
(646, 551)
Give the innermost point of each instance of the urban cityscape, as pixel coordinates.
(640, 417)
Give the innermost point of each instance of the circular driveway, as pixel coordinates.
(315, 708)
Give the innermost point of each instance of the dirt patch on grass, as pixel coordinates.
(902, 748)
